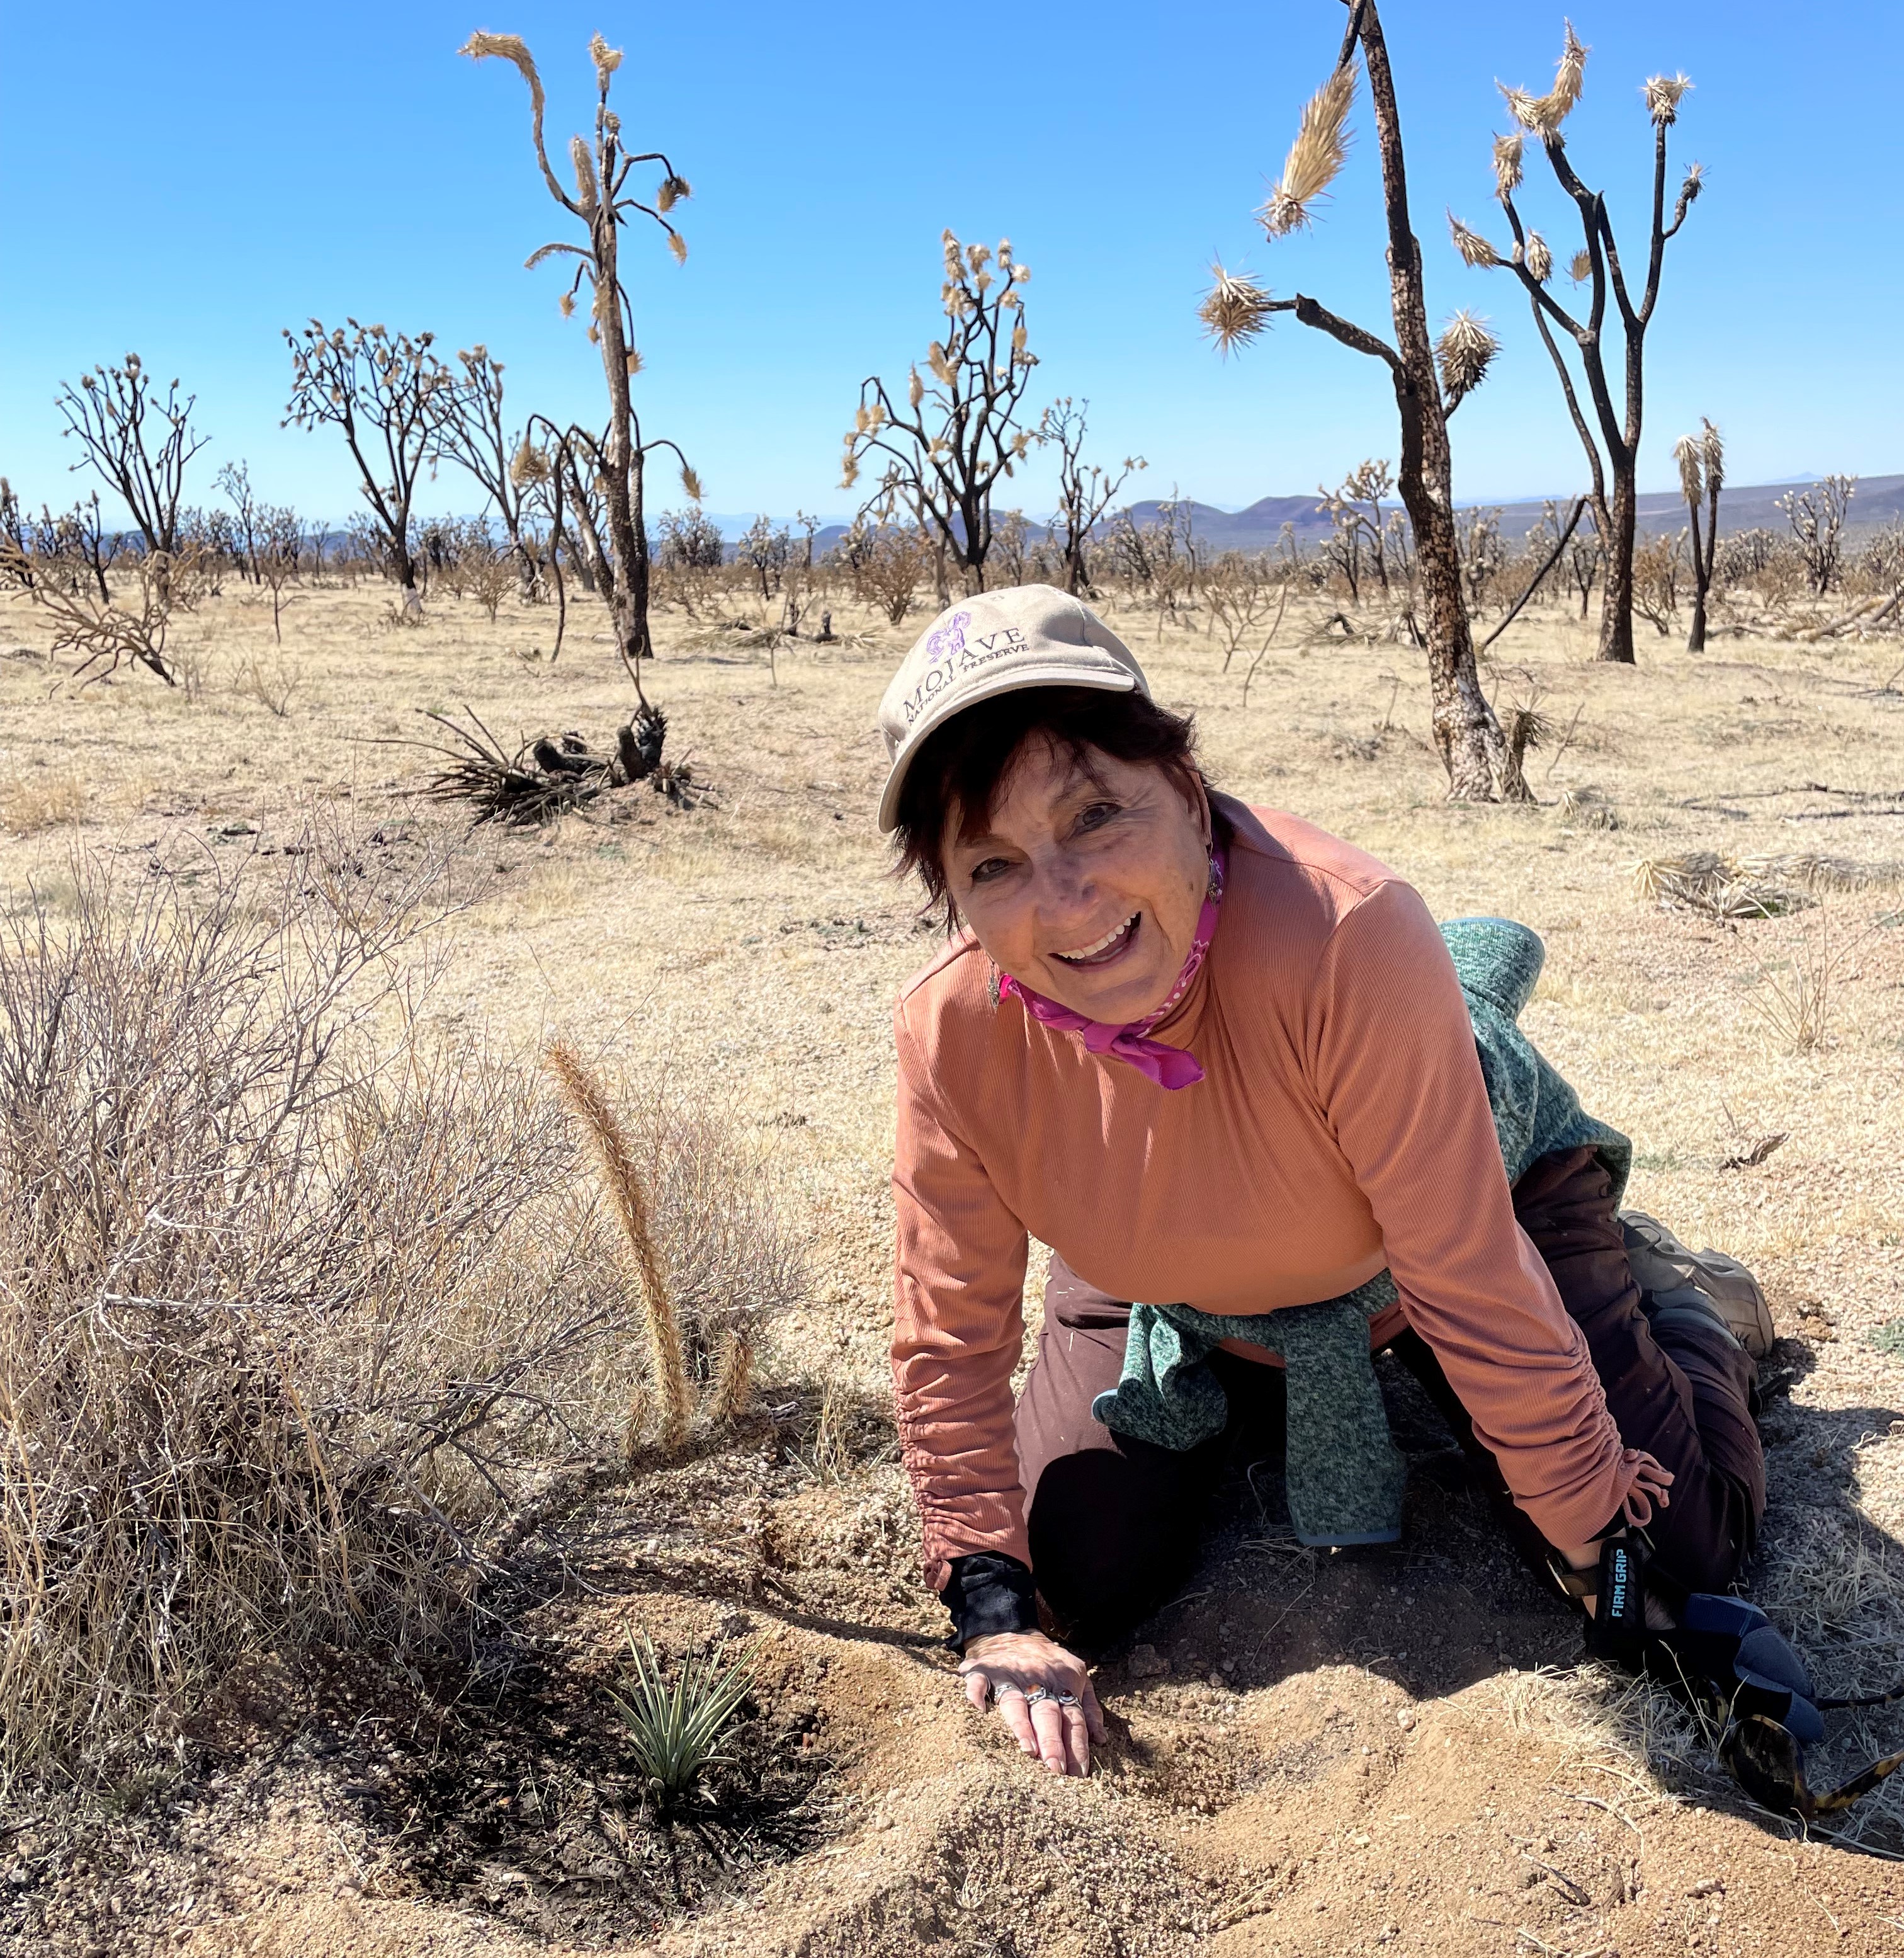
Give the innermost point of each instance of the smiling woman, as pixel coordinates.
(1224, 1063)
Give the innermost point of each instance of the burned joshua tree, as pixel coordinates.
(475, 436)
(612, 462)
(542, 779)
(1086, 491)
(136, 443)
(955, 435)
(1238, 309)
(1702, 475)
(1614, 452)
(389, 396)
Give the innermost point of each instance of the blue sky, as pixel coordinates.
(187, 185)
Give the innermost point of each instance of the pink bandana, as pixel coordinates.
(1168, 1066)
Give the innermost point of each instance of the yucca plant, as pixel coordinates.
(678, 1730)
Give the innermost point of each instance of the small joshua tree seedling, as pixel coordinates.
(612, 462)
(677, 1730)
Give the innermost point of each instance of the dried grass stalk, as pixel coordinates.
(614, 1156)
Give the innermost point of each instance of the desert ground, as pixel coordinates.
(1397, 1749)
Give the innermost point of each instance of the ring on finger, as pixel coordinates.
(1005, 1688)
(1066, 1698)
(1038, 1695)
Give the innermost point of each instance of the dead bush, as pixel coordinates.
(297, 1308)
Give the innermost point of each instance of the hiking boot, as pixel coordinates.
(1672, 1278)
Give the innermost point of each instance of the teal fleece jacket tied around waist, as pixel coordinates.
(1344, 1474)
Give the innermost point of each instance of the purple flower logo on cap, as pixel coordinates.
(950, 638)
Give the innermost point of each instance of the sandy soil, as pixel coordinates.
(1394, 1750)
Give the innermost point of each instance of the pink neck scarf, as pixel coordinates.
(1168, 1066)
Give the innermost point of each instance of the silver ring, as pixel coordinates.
(998, 1693)
(1068, 1699)
(1038, 1694)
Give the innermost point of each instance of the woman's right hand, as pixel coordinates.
(1058, 1725)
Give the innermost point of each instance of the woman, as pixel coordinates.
(1211, 1055)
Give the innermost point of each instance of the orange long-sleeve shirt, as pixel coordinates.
(1342, 1125)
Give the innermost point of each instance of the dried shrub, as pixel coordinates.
(1588, 809)
(1797, 1004)
(297, 1309)
(107, 632)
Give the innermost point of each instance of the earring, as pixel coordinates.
(1213, 888)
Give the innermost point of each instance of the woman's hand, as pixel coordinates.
(1042, 1693)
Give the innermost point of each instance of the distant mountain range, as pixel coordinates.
(1879, 500)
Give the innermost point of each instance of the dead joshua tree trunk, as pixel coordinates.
(1466, 731)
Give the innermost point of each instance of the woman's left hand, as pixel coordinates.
(1043, 1692)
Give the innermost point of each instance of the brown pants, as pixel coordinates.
(1114, 1522)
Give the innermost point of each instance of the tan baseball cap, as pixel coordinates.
(996, 642)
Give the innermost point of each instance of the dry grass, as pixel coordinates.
(1594, 1715)
(43, 798)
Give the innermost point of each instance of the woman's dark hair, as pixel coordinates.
(964, 764)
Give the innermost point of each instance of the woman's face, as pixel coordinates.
(1087, 890)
